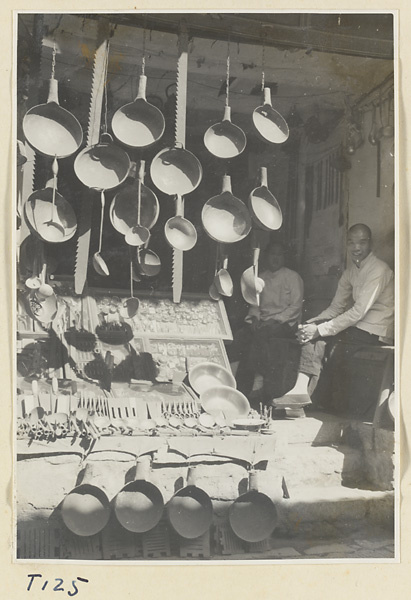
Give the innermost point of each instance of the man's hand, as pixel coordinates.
(255, 324)
(307, 332)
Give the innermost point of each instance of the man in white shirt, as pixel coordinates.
(253, 351)
(362, 311)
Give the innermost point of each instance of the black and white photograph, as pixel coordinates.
(205, 324)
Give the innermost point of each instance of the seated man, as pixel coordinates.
(277, 316)
(362, 312)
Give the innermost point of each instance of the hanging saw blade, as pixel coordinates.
(93, 135)
(180, 138)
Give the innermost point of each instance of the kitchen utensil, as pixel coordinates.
(48, 215)
(226, 399)
(269, 123)
(130, 306)
(253, 516)
(124, 208)
(51, 129)
(206, 375)
(139, 505)
(226, 218)
(86, 508)
(99, 263)
(176, 171)
(137, 235)
(138, 124)
(148, 263)
(224, 139)
(190, 511)
(252, 285)
(223, 281)
(213, 292)
(103, 166)
(179, 232)
(264, 208)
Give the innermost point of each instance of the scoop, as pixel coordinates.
(251, 285)
(148, 262)
(226, 218)
(223, 281)
(190, 511)
(224, 139)
(268, 122)
(139, 505)
(139, 234)
(99, 263)
(253, 516)
(138, 124)
(179, 232)
(86, 509)
(264, 208)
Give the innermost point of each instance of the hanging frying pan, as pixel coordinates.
(176, 171)
(49, 215)
(269, 123)
(51, 129)
(139, 123)
(190, 510)
(86, 509)
(139, 505)
(226, 218)
(224, 139)
(179, 232)
(102, 166)
(253, 516)
(123, 209)
(263, 206)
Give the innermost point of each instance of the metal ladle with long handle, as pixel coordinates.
(139, 234)
(99, 263)
(54, 221)
(179, 232)
(131, 305)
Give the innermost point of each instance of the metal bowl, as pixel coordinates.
(224, 399)
(206, 375)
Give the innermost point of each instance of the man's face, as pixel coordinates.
(275, 258)
(359, 245)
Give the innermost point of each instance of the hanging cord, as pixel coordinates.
(143, 62)
(263, 66)
(53, 60)
(227, 82)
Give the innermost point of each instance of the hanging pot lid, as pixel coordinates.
(226, 218)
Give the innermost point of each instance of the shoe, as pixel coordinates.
(293, 401)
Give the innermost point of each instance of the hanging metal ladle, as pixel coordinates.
(264, 208)
(224, 139)
(269, 123)
(139, 234)
(54, 222)
(99, 263)
(130, 305)
(179, 232)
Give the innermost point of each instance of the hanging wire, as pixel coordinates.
(105, 85)
(143, 62)
(263, 66)
(227, 81)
